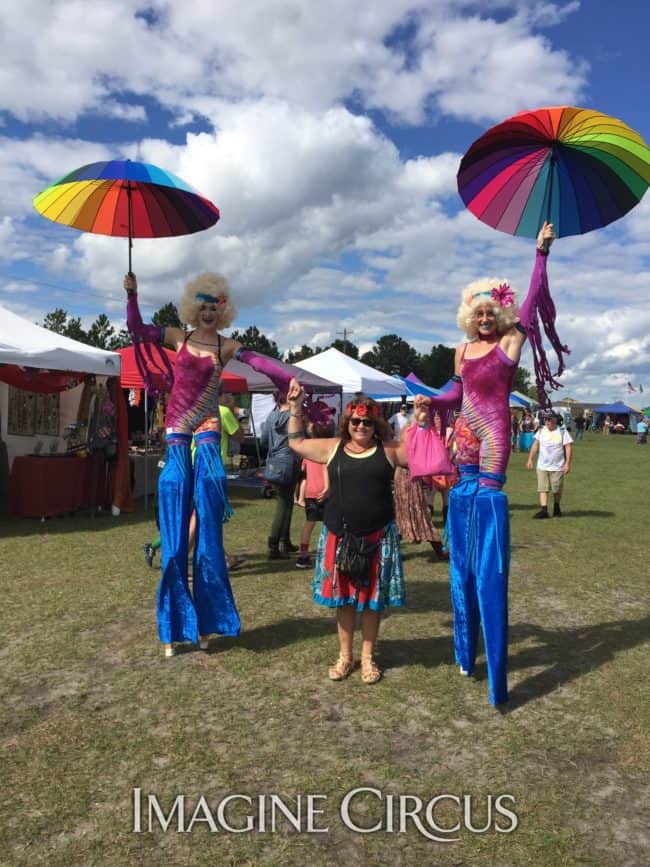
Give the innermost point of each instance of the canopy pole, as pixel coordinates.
(255, 440)
(146, 450)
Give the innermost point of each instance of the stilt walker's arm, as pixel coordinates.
(538, 305)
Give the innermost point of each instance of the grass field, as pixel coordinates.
(90, 710)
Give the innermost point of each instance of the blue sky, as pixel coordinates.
(329, 135)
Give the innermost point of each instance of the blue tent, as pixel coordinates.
(515, 401)
(616, 408)
(413, 388)
(619, 409)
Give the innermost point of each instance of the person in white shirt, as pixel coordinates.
(555, 447)
(399, 420)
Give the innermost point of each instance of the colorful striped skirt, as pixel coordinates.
(383, 586)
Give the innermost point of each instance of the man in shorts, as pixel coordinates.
(555, 447)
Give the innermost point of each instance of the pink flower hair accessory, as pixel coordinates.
(503, 295)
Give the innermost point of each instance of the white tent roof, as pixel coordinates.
(29, 345)
(352, 375)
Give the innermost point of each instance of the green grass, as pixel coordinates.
(90, 709)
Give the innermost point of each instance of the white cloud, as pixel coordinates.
(309, 54)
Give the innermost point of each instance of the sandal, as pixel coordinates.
(440, 551)
(342, 668)
(370, 671)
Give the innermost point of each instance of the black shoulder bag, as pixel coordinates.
(354, 553)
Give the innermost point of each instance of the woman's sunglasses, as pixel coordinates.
(364, 422)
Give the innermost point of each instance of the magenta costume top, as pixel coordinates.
(195, 387)
(483, 427)
(194, 398)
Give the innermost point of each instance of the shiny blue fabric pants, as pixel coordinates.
(211, 608)
(479, 548)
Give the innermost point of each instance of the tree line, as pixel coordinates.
(391, 354)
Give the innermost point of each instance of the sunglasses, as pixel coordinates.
(364, 422)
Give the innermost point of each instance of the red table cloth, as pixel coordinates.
(40, 487)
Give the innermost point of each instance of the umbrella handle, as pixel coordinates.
(128, 199)
(546, 244)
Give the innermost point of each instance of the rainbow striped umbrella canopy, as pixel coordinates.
(574, 167)
(126, 199)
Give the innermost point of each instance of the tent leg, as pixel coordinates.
(255, 440)
(146, 450)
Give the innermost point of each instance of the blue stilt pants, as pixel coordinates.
(183, 616)
(479, 546)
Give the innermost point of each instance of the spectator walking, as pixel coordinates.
(555, 448)
(579, 424)
(399, 420)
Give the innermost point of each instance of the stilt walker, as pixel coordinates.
(478, 521)
(193, 411)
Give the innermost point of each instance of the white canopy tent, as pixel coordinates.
(26, 345)
(353, 375)
(29, 345)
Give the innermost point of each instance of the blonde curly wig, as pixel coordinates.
(207, 284)
(480, 292)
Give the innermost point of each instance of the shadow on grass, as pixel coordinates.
(567, 654)
(428, 652)
(76, 523)
(587, 513)
(424, 596)
(274, 635)
(571, 513)
(82, 521)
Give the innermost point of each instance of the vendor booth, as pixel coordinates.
(57, 457)
(145, 456)
(237, 378)
(623, 419)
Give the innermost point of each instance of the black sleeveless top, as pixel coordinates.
(367, 493)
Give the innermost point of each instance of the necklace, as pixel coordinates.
(201, 342)
(357, 451)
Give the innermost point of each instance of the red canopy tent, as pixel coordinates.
(130, 376)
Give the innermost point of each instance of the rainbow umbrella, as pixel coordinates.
(574, 167)
(126, 199)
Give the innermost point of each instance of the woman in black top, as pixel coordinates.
(360, 462)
